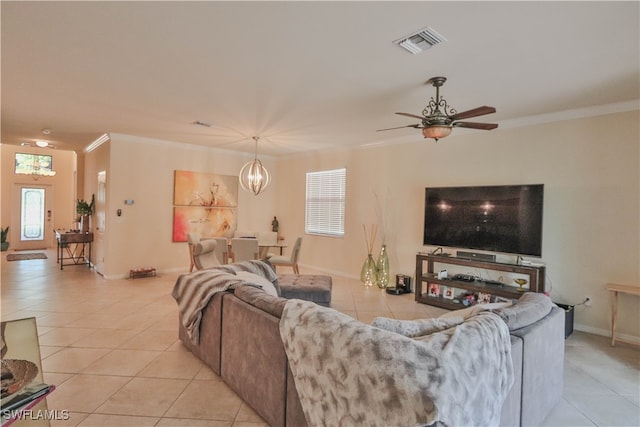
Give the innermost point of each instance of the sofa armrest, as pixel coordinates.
(253, 360)
(208, 348)
(542, 366)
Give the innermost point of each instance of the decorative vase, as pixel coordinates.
(382, 267)
(369, 274)
(85, 224)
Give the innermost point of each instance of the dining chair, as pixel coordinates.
(192, 239)
(266, 240)
(222, 250)
(291, 260)
(244, 249)
(204, 254)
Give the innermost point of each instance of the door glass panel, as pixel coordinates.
(32, 214)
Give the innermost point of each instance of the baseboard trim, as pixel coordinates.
(630, 339)
(331, 272)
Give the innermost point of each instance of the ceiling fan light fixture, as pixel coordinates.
(436, 132)
(42, 144)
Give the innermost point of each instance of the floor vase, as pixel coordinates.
(368, 274)
(382, 267)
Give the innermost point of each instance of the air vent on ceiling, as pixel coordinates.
(200, 123)
(420, 40)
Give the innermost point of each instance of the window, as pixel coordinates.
(30, 164)
(324, 214)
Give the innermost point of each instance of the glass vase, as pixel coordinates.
(382, 267)
(368, 274)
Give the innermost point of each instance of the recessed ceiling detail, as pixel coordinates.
(421, 40)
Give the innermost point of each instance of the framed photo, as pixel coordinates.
(484, 298)
(434, 290)
(448, 293)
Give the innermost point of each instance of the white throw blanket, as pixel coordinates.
(348, 373)
(193, 291)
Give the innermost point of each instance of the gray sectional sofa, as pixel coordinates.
(240, 341)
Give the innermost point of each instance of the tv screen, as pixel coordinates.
(505, 218)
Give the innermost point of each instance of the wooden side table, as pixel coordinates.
(615, 289)
(78, 248)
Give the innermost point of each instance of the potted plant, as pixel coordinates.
(85, 210)
(4, 232)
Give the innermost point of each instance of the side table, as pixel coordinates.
(615, 289)
(77, 246)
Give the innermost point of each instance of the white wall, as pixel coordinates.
(142, 170)
(590, 168)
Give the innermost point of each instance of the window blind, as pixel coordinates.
(325, 202)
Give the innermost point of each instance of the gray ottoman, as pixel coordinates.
(308, 287)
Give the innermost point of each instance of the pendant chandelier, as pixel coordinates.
(254, 177)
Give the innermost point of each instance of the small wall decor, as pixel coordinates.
(204, 203)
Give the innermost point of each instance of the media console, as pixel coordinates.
(454, 294)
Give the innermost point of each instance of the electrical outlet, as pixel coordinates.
(587, 301)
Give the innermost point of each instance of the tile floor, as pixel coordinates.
(111, 348)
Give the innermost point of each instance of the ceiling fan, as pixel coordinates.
(438, 118)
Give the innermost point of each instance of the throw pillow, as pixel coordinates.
(530, 308)
(258, 281)
(416, 328)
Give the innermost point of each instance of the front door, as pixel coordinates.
(35, 225)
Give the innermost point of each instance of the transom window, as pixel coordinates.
(29, 164)
(325, 202)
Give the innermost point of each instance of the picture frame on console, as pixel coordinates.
(448, 293)
(434, 290)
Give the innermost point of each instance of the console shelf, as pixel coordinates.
(427, 277)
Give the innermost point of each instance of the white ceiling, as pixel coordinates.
(302, 75)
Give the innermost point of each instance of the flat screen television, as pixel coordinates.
(503, 218)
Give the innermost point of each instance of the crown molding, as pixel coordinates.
(580, 113)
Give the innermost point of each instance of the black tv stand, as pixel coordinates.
(426, 276)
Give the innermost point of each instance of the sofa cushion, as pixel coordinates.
(260, 281)
(530, 308)
(259, 267)
(468, 312)
(416, 328)
(260, 299)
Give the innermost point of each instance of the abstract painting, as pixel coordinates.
(204, 203)
(205, 189)
(208, 222)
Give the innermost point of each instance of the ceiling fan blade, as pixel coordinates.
(400, 127)
(473, 125)
(480, 111)
(411, 115)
